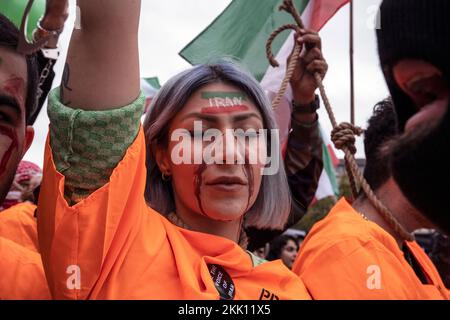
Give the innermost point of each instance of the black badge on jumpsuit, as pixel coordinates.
(222, 281)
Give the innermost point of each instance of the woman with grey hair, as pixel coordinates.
(218, 194)
(268, 216)
(99, 237)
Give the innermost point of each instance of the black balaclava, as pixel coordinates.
(414, 29)
(419, 29)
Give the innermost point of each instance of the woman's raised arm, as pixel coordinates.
(102, 68)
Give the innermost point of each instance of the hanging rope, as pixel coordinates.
(343, 135)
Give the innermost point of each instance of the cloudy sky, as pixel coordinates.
(167, 26)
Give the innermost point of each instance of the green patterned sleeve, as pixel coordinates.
(88, 145)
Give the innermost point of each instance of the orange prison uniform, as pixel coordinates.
(21, 273)
(18, 224)
(119, 248)
(344, 255)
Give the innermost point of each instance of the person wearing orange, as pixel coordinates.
(22, 274)
(18, 224)
(413, 48)
(354, 253)
(99, 237)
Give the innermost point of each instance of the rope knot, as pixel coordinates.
(343, 136)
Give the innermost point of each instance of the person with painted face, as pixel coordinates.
(108, 185)
(18, 90)
(20, 265)
(414, 50)
(25, 80)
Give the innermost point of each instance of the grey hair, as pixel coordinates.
(273, 203)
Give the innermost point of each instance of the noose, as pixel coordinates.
(343, 135)
(289, 7)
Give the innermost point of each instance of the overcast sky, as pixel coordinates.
(167, 26)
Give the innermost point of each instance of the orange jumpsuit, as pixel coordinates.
(111, 245)
(347, 257)
(19, 225)
(22, 274)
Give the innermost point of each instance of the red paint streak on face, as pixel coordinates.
(15, 87)
(14, 145)
(198, 180)
(230, 109)
(249, 175)
(198, 184)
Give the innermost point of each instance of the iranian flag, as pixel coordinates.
(240, 32)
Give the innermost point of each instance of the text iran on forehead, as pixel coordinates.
(224, 99)
(225, 102)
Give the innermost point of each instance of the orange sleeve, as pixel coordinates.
(80, 244)
(354, 270)
(430, 271)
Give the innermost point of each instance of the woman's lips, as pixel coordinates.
(428, 114)
(227, 184)
(227, 187)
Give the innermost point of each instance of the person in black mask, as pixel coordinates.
(414, 50)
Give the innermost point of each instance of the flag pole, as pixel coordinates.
(352, 82)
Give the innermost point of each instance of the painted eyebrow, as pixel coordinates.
(10, 102)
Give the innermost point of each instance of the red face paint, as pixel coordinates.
(198, 179)
(224, 102)
(15, 87)
(230, 109)
(198, 184)
(14, 145)
(249, 175)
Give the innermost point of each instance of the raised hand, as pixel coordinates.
(310, 61)
(48, 29)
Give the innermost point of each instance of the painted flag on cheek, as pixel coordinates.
(240, 32)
